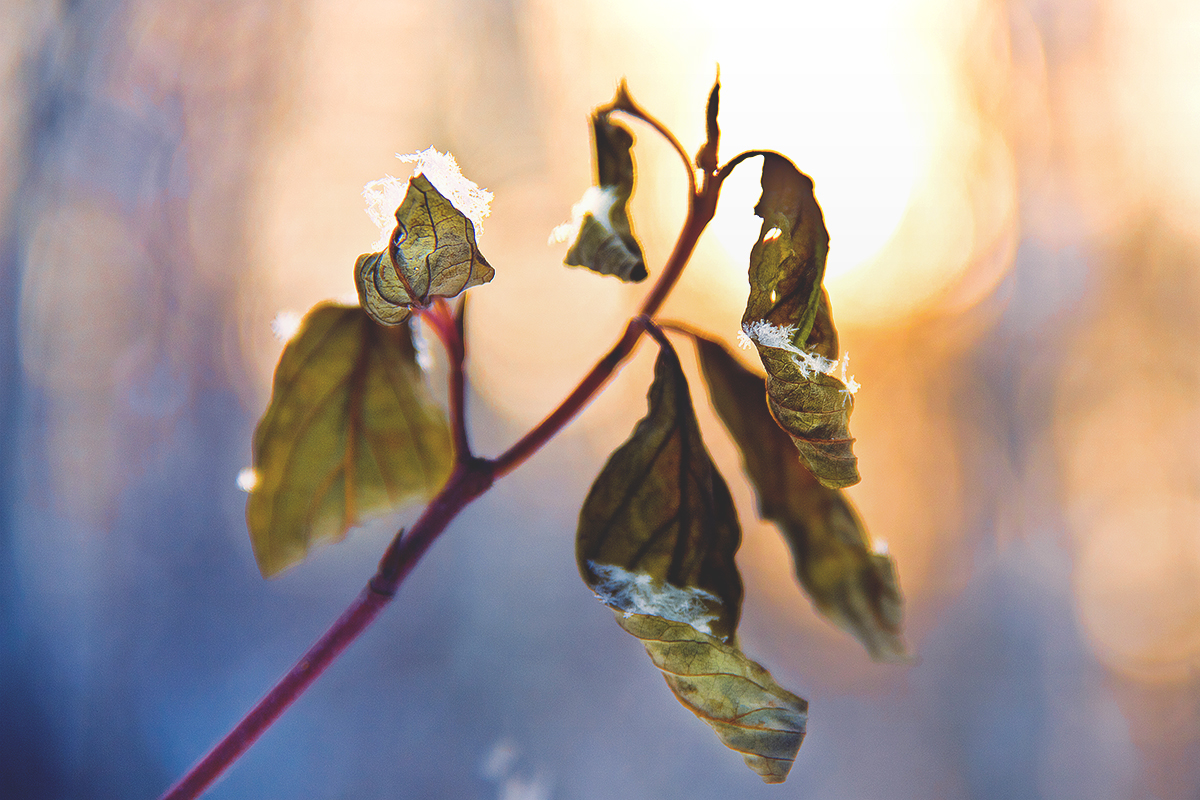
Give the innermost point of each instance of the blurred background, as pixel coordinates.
(1013, 195)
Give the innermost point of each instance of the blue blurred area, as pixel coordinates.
(135, 629)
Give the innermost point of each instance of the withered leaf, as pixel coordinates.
(658, 530)
(656, 542)
(788, 319)
(436, 256)
(605, 242)
(351, 431)
(750, 712)
(850, 583)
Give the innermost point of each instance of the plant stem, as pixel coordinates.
(466, 483)
(442, 320)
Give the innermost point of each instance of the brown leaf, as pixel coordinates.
(849, 582)
(605, 242)
(737, 698)
(658, 529)
(788, 319)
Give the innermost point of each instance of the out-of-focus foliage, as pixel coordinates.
(351, 431)
(849, 583)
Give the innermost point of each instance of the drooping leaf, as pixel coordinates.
(788, 319)
(750, 712)
(605, 242)
(435, 255)
(706, 156)
(656, 542)
(659, 526)
(849, 582)
(351, 431)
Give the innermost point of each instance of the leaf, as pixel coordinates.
(750, 712)
(851, 584)
(350, 432)
(605, 242)
(659, 526)
(433, 254)
(656, 542)
(788, 319)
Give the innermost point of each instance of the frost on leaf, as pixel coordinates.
(383, 196)
(604, 240)
(639, 593)
(431, 253)
(788, 320)
(351, 431)
(656, 542)
(443, 171)
(660, 509)
(852, 583)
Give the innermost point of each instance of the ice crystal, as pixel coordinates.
(780, 338)
(638, 593)
(597, 201)
(385, 195)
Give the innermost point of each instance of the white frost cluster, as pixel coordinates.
(769, 335)
(597, 201)
(247, 479)
(286, 324)
(421, 346)
(385, 195)
(638, 593)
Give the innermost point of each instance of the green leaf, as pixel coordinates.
(850, 583)
(605, 242)
(788, 319)
(656, 542)
(661, 513)
(750, 712)
(433, 255)
(351, 431)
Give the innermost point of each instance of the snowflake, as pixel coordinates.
(384, 196)
(780, 338)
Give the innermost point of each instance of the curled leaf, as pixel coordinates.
(750, 712)
(351, 431)
(605, 242)
(788, 319)
(658, 530)
(432, 254)
(850, 583)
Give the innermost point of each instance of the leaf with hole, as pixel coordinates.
(350, 432)
(849, 582)
(788, 318)
(432, 254)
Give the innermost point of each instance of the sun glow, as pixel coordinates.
(854, 131)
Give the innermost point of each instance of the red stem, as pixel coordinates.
(466, 483)
(442, 320)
